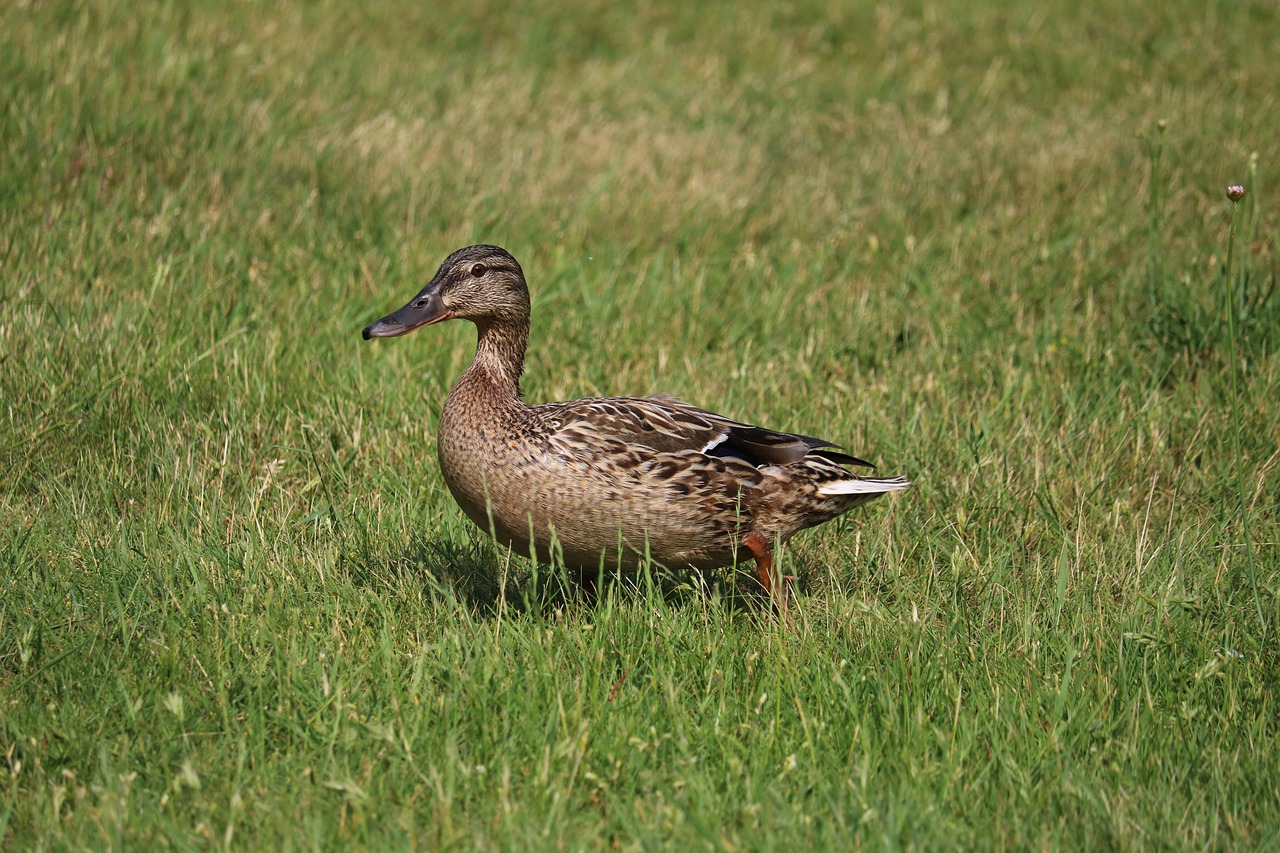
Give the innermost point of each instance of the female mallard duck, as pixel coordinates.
(610, 480)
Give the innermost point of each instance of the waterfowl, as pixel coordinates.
(604, 482)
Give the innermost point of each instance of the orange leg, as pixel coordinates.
(773, 584)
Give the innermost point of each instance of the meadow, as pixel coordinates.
(983, 245)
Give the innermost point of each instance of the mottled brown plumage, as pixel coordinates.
(610, 480)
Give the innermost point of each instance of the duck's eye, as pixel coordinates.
(478, 270)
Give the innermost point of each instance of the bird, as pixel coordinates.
(604, 483)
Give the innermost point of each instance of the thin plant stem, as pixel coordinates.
(1155, 212)
(1235, 407)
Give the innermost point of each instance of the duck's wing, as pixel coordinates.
(664, 424)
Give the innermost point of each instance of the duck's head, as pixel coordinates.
(483, 284)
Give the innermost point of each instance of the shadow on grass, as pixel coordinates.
(484, 578)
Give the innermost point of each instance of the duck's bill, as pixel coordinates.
(423, 310)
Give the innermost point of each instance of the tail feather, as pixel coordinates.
(864, 486)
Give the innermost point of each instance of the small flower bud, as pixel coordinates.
(1235, 193)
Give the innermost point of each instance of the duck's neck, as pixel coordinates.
(499, 359)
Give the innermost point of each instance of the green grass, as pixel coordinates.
(238, 607)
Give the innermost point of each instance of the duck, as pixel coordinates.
(608, 483)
